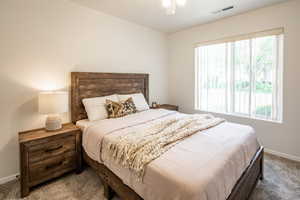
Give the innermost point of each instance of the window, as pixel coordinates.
(241, 76)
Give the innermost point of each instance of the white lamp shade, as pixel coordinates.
(53, 102)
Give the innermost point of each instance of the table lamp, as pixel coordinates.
(53, 104)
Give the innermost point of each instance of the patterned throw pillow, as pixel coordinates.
(120, 109)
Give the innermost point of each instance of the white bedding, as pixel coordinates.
(204, 166)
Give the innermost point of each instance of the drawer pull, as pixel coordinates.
(55, 164)
(53, 149)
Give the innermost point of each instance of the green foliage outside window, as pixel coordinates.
(243, 86)
(264, 110)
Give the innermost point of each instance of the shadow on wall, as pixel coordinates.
(19, 106)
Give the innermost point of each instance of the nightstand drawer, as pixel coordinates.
(45, 155)
(50, 149)
(52, 167)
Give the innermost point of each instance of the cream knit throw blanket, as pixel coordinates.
(135, 149)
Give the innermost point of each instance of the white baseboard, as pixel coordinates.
(283, 155)
(9, 178)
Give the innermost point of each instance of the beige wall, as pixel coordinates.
(283, 137)
(42, 41)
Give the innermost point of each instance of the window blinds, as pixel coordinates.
(241, 75)
(276, 31)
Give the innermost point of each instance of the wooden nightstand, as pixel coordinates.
(166, 106)
(45, 155)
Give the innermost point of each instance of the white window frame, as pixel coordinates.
(277, 102)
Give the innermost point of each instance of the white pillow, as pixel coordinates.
(138, 100)
(95, 107)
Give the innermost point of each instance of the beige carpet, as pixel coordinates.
(282, 182)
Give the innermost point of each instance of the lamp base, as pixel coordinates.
(53, 123)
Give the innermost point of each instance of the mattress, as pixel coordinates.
(204, 166)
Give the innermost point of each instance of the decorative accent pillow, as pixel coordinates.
(138, 99)
(120, 109)
(95, 107)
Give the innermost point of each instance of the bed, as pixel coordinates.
(85, 85)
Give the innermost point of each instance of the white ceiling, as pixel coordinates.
(150, 12)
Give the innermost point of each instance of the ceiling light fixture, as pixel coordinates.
(171, 5)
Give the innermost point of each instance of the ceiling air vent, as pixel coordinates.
(223, 10)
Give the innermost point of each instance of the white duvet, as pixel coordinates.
(204, 166)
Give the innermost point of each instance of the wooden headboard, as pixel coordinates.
(89, 84)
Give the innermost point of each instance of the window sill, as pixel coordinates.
(240, 116)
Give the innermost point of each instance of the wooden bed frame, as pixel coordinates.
(85, 85)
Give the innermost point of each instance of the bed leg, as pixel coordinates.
(108, 192)
(262, 167)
